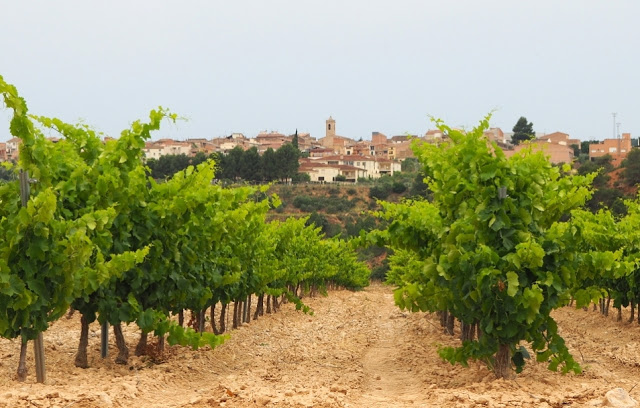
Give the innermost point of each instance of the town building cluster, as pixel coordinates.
(334, 157)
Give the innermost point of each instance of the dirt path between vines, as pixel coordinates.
(387, 382)
(357, 350)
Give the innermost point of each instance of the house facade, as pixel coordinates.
(558, 146)
(559, 138)
(271, 140)
(352, 167)
(163, 147)
(616, 148)
(557, 153)
(12, 149)
(322, 172)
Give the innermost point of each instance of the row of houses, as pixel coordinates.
(190, 147)
(560, 147)
(557, 145)
(380, 146)
(338, 157)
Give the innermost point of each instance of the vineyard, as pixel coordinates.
(502, 244)
(86, 228)
(496, 264)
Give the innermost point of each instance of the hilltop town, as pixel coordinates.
(334, 157)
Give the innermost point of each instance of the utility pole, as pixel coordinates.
(614, 124)
(619, 142)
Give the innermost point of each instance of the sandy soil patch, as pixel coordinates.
(357, 350)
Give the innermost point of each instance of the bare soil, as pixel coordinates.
(357, 350)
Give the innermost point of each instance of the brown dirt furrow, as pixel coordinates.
(387, 381)
(357, 350)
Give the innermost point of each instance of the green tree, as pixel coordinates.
(584, 145)
(380, 191)
(301, 178)
(604, 162)
(7, 174)
(603, 196)
(287, 159)
(631, 172)
(419, 187)
(168, 165)
(410, 164)
(231, 164)
(270, 169)
(576, 150)
(294, 141)
(607, 198)
(602, 179)
(522, 131)
(251, 166)
(320, 221)
(362, 222)
(398, 187)
(200, 157)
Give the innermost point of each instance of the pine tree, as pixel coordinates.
(287, 158)
(522, 131)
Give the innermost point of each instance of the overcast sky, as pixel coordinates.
(247, 66)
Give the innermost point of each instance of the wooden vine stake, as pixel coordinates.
(104, 340)
(38, 342)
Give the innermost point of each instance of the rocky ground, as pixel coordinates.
(357, 350)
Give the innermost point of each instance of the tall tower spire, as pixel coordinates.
(331, 127)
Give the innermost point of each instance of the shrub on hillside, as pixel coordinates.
(331, 205)
(419, 187)
(398, 188)
(380, 191)
(333, 191)
(338, 204)
(319, 220)
(366, 223)
(631, 173)
(306, 203)
(301, 178)
(285, 192)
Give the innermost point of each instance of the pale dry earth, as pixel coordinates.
(357, 350)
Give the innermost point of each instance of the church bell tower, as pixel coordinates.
(331, 127)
